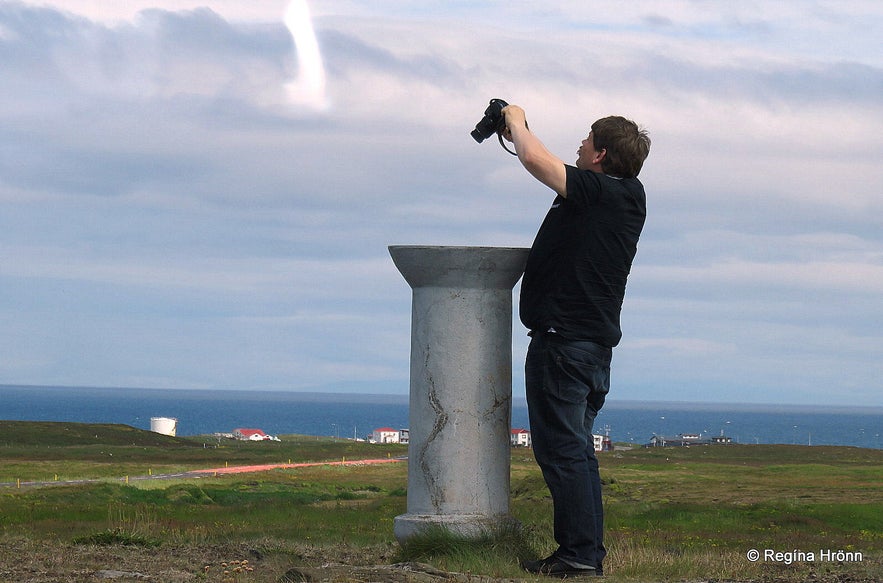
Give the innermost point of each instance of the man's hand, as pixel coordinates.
(513, 116)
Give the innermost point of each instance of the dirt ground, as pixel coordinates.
(24, 561)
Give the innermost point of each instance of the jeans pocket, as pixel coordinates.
(578, 375)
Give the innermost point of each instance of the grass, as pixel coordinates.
(58, 451)
(112, 537)
(686, 514)
(493, 553)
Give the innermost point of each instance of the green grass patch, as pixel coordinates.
(671, 515)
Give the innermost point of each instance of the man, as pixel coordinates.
(571, 296)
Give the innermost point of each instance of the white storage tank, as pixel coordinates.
(164, 425)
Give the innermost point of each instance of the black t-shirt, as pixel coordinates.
(577, 268)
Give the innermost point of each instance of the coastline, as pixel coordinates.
(203, 411)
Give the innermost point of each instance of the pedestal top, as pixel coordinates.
(459, 267)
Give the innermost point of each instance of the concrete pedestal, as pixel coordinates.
(461, 386)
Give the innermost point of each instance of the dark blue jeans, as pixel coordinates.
(566, 383)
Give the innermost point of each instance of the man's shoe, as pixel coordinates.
(555, 567)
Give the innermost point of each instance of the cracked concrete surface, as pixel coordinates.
(461, 383)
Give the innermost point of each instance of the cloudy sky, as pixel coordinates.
(190, 201)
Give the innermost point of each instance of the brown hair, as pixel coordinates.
(627, 145)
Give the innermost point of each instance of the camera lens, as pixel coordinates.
(491, 123)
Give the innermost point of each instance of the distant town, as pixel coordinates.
(521, 438)
(517, 437)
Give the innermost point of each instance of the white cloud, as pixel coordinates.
(188, 229)
(759, 277)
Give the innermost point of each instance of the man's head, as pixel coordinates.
(619, 145)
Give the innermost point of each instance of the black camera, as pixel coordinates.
(492, 122)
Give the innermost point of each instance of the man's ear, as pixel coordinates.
(601, 155)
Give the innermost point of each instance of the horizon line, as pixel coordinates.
(325, 391)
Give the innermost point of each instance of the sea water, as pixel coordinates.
(347, 415)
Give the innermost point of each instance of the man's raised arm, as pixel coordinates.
(539, 161)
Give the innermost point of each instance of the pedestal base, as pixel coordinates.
(406, 526)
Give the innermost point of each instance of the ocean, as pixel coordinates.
(347, 415)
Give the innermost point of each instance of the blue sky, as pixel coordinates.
(174, 216)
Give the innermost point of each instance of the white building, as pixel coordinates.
(520, 438)
(385, 435)
(602, 443)
(252, 435)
